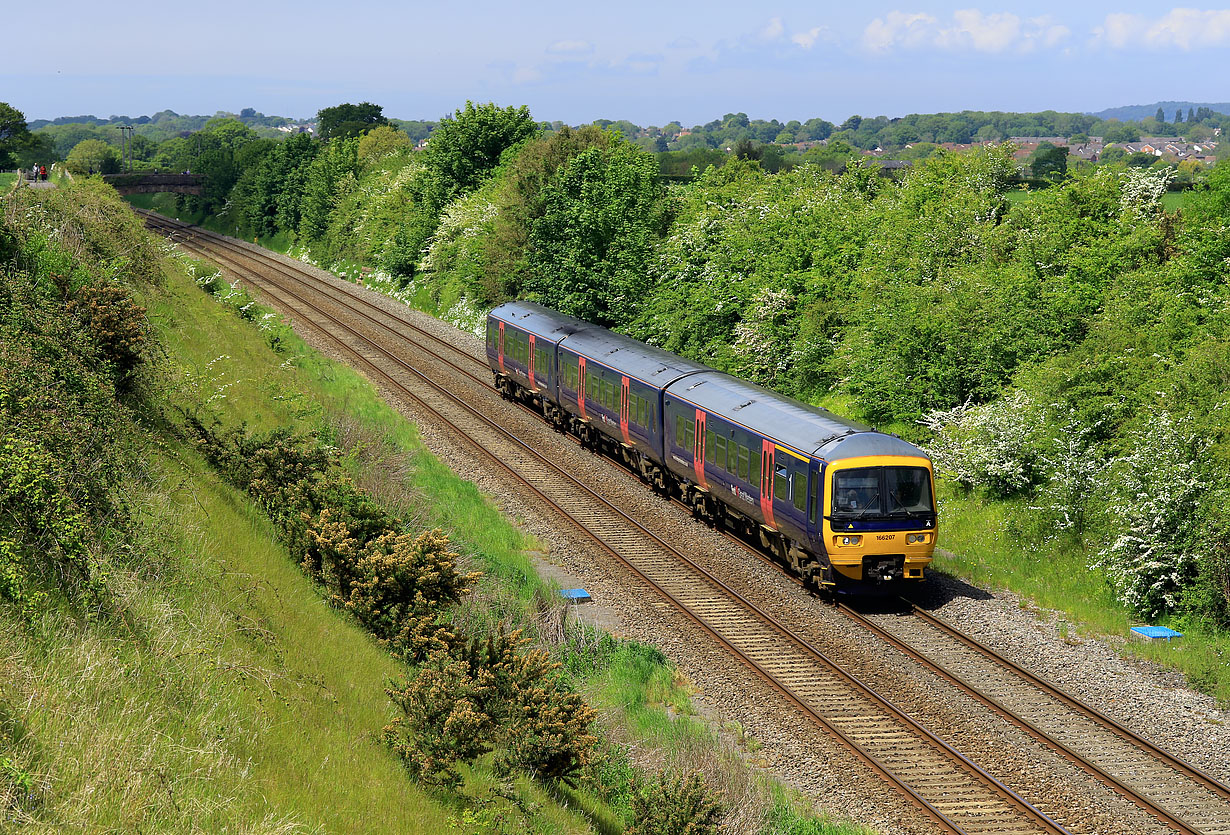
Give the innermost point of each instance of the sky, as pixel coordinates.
(648, 62)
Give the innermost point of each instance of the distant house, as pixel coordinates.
(1090, 151)
(1038, 140)
(1173, 150)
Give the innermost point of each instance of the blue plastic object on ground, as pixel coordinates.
(575, 595)
(1154, 633)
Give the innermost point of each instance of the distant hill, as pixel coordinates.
(1136, 112)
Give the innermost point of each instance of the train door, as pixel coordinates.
(623, 409)
(698, 449)
(815, 493)
(767, 471)
(533, 382)
(581, 387)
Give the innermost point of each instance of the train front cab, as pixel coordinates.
(879, 524)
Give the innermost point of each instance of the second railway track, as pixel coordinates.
(955, 792)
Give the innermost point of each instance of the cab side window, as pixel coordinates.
(781, 483)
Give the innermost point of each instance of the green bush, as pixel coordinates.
(488, 694)
(395, 584)
(675, 805)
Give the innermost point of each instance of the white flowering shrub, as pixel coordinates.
(1141, 190)
(1072, 468)
(1155, 491)
(764, 340)
(457, 242)
(993, 445)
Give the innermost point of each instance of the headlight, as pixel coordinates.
(851, 540)
(916, 537)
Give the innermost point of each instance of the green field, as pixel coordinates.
(1171, 200)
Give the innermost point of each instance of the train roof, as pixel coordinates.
(541, 321)
(630, 356)
(808, 429)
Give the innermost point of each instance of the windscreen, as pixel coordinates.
(882, 491)
(908, 489)
(857, 491)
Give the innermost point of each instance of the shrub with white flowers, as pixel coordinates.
(763, 344)
(993, 445)
(1073, 468)
(1155, 492)
(1141, 190)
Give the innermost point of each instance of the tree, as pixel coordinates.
(1049, 162)
(14, 133)
(347, 119)
(589, 250)
(748, 149)
(93, 156)
(466, 146)
(230, 133)
(1178, 116)
(1120, 132)
(380, 142)
(1160, 116)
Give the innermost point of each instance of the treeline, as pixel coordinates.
(774, 139)
(894, 134)
(1066, 353)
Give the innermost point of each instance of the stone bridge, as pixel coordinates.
(146, 183)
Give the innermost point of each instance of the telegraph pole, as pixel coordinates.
(126, 145)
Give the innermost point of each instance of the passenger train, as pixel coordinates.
(845, 507)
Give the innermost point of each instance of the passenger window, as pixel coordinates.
(815, 498)
(743, 462)
(732, 456)
(754, 468)
(720, 452)
(798, 491)
(709, 445)
(781, 483)
(681, 434)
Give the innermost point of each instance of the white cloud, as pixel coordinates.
(968, 29)
(1186, 29)
(772, 30)
(897, 29)
(808, 39)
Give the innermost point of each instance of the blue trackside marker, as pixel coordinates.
(575, 595)
(1154, 633)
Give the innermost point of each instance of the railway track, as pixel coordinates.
(953, 791)
(1174, 792)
